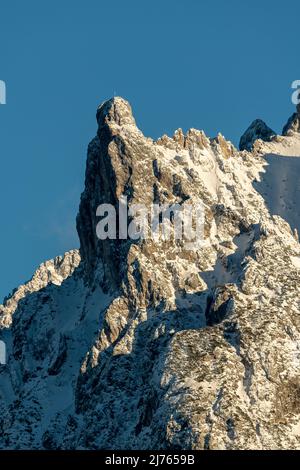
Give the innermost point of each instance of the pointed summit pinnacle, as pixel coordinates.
(257, 130)
(115, 110)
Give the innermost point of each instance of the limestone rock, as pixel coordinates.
(257, 130)
(146, 344)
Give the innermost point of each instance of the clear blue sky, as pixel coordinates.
(213, 65)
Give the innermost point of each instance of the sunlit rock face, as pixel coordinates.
(149, 344)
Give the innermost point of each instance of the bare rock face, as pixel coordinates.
(293, 124)
(257, 130)
(149, 343)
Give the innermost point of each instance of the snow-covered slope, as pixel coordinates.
(279, 184)
(148, 344)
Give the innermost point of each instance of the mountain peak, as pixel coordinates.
(293, 124)
(115, 110)
(153, 332)
(257, 130)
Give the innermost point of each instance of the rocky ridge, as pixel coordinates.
(148, 344)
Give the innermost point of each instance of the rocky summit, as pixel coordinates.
(145, 344)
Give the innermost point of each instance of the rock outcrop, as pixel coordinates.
(51, 272)
(257, 130)
(293, 124)
(147, 343)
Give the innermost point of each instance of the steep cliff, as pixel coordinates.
(153, 343)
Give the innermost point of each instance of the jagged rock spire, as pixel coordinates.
(293, 124)
(257, 130)
(115, 110)
(112, 166)
(178, 351)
